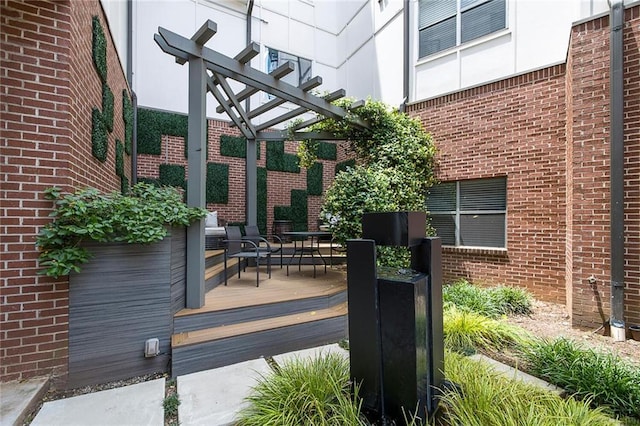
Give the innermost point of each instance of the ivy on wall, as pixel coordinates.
(99, 141)
(262, 200)
(124, 185)
(342, 166)
(297, 212)
(235, 146)
(119, 158)
(107, 106)
(278, 160)
(171, 175)
(327, 151)
(217, 183)
(127, 117)
(314, 179)
(99, 49)
(153, 124)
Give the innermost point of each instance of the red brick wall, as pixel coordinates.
(589, 172)
(279, 184)
(44, 93)
(512, 128)
(548, 132)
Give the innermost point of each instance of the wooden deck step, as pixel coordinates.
(215, 333)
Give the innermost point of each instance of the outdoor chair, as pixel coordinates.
(239, 248)
(252, 233)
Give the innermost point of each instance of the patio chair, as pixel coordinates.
(252, 233)
(239, 248)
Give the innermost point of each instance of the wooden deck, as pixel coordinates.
(241, 321)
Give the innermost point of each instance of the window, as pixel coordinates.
(470, 213)
(302, 71)
(448, 23)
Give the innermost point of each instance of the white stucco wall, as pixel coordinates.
(537, 35)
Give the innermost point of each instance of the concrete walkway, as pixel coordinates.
(211, 397)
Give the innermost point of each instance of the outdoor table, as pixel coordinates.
(313, 248)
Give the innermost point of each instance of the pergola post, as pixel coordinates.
(196, 151)
(251, 182)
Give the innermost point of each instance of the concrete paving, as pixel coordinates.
(310, 353)
(18, 399)
(214, 397)
(134, 405)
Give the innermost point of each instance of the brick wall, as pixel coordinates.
(279, 184)
(588, 169)
(548, 132)
(512, 128)
(44, 95)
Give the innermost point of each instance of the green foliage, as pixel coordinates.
(304, 392)
(282, 213)
(235, 146)
(307, 152)
(153, 124)
(171, 175)
(119, 158)
(488, 399)
(344, 165)
(278, 160)
(395, 156)
(99, 48)
(466, 332)
(127, 117)
(327, 151)
(107, 106)
(262, 200)
(141, 217)
(491, 302)
(602, 378)
(352, 194)
(299, 210)
(148, 180)
(170, 405)
(124, 185)
(314, 179)
(99, 136)
(217, 190)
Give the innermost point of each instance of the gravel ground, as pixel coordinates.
(551, 320)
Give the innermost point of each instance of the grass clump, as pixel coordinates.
(466, 332)
(485, 398)
(602, 378)
(304, 392)
(491, 302)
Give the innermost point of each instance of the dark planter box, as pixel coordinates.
(403, 229)
(126, 294)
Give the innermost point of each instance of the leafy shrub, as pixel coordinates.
(488, 399)
(602, 378)
(141, 217)
(466, 331)
(491, 302)
(304, 392)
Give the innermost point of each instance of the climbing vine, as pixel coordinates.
(395, 160)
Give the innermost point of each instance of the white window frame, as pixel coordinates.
(458, 19)
(458, 213)
(295, 59)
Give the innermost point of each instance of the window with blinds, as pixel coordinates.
(443, 24)
(302, 66)
(470, 213)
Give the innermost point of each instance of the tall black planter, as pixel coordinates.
(126, 294)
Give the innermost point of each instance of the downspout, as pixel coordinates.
(616, 21)
(405, 62)
(134, 98)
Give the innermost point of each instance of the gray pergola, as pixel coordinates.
(210, 71)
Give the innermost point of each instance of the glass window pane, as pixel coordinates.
(483, 230)
(483, 194)
(438, 37)
(445, 226)
(442, 197)
(482, 20)
(433, 11)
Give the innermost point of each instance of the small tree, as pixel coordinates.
(395, 158)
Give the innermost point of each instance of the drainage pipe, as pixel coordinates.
(405, 62)
(616, 25)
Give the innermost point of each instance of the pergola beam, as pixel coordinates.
(306, 86)
(248, 53)
(230, 68)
